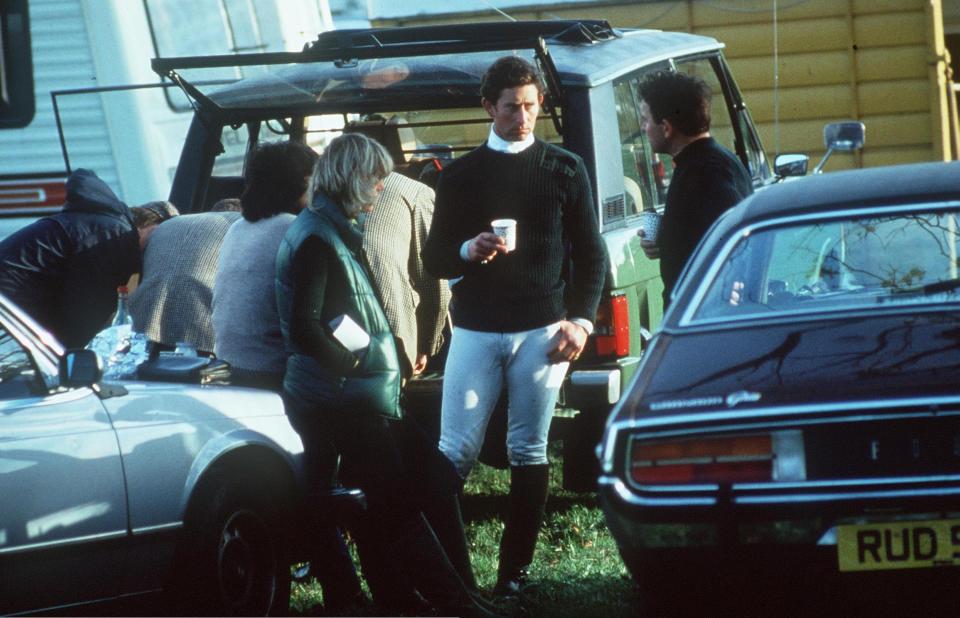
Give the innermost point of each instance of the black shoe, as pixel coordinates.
(434, 577)
(511, 584)
(354, 606)
(486, 604)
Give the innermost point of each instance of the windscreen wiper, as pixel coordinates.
(948, 285)
(938, 287)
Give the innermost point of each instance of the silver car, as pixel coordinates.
(114, 491)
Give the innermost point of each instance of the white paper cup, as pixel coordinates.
(650, 224)
(507, 230)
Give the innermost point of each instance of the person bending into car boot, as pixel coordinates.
(707, 178)
(64, 269)
(511, 322)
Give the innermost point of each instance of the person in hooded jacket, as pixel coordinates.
(64, 269)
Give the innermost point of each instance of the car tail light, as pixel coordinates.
(612, 327)
(775, 456)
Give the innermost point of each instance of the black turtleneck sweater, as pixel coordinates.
(547, 190)
(707, 180)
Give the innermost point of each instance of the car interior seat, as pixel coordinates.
(221, 187)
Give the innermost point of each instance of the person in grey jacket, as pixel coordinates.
(173, 301)
(64, 269)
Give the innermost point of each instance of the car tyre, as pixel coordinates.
(233, 561)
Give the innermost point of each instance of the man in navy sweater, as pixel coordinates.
(707, 179)
(517, 322)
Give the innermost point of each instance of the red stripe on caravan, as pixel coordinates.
(33, 193)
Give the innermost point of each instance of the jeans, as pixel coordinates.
(478, 364)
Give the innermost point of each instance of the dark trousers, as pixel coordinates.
(394, 462)
(400, 470)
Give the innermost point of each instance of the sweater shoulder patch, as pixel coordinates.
(556, 159)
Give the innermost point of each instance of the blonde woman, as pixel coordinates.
(349, 396)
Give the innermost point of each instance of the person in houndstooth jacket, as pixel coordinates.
(415, 302)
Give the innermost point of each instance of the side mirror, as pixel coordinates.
(791, 164)
(80, 368)
(843, 137)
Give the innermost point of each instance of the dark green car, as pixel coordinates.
(417, 90)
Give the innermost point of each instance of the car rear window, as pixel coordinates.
(864, 261)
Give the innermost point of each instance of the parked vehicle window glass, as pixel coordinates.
(414, 134)
(238, 26)
(18, 378)
(857, 262)
(641, 187)
(225, 26)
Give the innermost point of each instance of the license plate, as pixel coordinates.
(899, 545)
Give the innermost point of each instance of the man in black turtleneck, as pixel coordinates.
(515, 323)
(707, 179)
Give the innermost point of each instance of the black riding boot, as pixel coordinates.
(446, 519)
(333, 567)
(430, 570)
(528, 498)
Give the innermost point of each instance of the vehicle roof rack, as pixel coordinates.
(346, 47)
(560, 31)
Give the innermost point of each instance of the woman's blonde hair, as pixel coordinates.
(349, 170)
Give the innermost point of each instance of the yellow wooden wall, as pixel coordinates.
(877, 61)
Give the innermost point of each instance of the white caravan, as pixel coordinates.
(131, 138)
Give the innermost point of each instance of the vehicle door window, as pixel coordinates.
(730, 122)
(18, 376)
(643, 188)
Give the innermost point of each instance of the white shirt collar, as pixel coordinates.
(495, 142)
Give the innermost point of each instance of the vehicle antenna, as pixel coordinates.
(776, 82)
(511, 18)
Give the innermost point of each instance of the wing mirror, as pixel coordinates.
(791, 164)
(841, 137)
(80, 368)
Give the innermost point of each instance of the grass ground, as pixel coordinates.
(577, 566)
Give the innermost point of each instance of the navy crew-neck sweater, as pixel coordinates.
(708, 179)
(547, 190)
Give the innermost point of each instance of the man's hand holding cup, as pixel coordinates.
(486, 245)
(648, 233)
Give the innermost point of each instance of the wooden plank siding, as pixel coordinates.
(877, 61)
